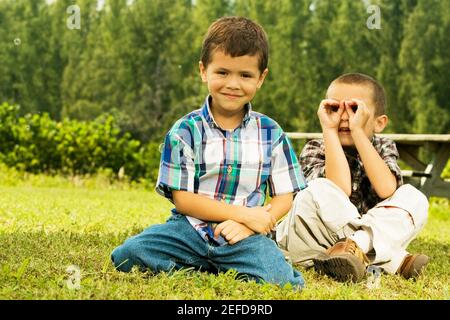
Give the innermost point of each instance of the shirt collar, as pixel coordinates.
(206, 113)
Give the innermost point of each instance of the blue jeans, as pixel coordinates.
(175, 245)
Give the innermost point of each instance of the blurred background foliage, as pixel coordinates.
(105, 95)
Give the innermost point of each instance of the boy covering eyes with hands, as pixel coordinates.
(356, 210)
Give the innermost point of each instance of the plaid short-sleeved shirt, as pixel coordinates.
(236, 166)
(364, 197)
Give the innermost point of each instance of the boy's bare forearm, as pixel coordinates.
(281, 205)
(258, 219)
(382, 179)
(206, 209)
(336, 165)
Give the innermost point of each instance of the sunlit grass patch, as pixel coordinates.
(44, 230)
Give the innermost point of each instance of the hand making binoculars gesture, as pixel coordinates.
(344, 116)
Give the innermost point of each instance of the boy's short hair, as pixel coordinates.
(236, 36)
(379, 96)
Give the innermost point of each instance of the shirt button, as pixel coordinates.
(229, 169)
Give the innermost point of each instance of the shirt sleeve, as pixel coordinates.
(286, 174)
(390, 155)
(177, 169)
(312, 160)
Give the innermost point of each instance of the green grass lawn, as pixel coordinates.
(48, 224)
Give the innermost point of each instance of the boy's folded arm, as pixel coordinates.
(336, 165)
(383, 181)
(280, 205)
(203, 208)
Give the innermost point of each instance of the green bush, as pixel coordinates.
(36, 143)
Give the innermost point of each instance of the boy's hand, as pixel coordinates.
(330, 112)
(233, 231)
(358, 114)
(259, 219)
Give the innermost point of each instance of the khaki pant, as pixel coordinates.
(322, 214)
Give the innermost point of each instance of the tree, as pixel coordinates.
(394, 15)
(425, 68)
(32, 69)
(139, 59)
(77, 46)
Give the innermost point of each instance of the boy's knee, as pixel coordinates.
(134, 253)
(286, 275)
(322, 183)
(125, 256)
(276, 269)
(411, 192)
(416, 203)
(323, 188)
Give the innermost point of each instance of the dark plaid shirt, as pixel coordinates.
(364, 197)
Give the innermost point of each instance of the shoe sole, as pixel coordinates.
(342, 268)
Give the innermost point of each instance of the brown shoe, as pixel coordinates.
(344, 261)
(413, 265)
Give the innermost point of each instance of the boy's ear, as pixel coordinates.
(381, 123)
(202, 71)
(262, 77)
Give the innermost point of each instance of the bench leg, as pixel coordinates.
(435, 186)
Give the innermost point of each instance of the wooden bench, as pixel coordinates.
(426, 175)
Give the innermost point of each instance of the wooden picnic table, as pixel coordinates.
(426, 175)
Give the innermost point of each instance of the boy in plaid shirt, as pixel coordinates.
(217, 164)
(355, 211)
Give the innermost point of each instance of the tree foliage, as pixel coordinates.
(138, 60)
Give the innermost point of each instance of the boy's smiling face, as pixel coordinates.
(343, 91)
(232, 82)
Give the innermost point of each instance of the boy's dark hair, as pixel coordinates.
(236, 36)
(379, 96)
